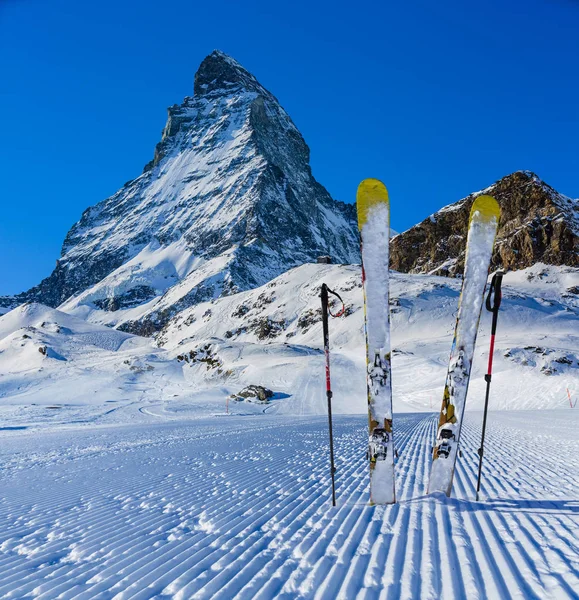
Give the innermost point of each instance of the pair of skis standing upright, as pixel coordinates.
(374, 225)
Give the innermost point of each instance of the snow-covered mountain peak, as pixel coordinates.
(228, 203)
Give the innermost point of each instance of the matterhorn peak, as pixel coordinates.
(220, 73)
(227, 204)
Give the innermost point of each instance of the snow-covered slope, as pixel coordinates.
(58, 368)
(272, 336)
(52, 364)
(228, 203)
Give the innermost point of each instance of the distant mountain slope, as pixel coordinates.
(48, 357)
(227, 203)
(537, 225)
(272, 336)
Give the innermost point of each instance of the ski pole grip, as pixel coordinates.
(498, 291)
(495, 292)
(324, 296)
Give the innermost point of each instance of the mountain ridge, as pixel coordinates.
(228, 202)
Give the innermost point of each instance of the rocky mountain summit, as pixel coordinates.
(227, 203)
(538, 224)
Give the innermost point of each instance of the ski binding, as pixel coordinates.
(377, 374)
(378, 446)
(445, 435)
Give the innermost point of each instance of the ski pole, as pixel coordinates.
(325, 312)
(495, 293)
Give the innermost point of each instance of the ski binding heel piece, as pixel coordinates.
(443, 451)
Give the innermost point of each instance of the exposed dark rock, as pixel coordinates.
(203, 354)
(133, 297)
(266, 328)
(240, 311)
(537, 225)
(253, 393)
(308, 318)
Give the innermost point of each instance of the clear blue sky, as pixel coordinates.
(437, 99)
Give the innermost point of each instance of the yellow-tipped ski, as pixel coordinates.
(488, 208)
(374, 226)
(482, 227)
(371, 192)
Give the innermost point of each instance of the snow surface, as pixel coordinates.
(536, 356)
(239, 507)
(537, 312)
(123, 476)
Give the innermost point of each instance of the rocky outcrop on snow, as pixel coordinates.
(253, 393)
(227, 203)
(537, 225)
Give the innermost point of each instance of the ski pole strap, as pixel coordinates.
(495, 292)
(342, 310)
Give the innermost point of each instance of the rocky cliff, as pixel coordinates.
(538, 224)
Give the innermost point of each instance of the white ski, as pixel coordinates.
(483, 223)
(374, 225)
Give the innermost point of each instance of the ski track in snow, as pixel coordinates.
(156, 511)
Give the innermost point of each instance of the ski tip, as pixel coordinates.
(371, 192)
(487, 207)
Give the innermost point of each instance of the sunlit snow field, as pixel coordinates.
(239, 507)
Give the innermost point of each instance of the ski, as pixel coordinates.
(483, 223)
(374, 225)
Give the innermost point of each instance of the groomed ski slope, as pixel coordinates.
(238, 508)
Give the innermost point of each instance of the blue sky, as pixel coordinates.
(436, 99)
